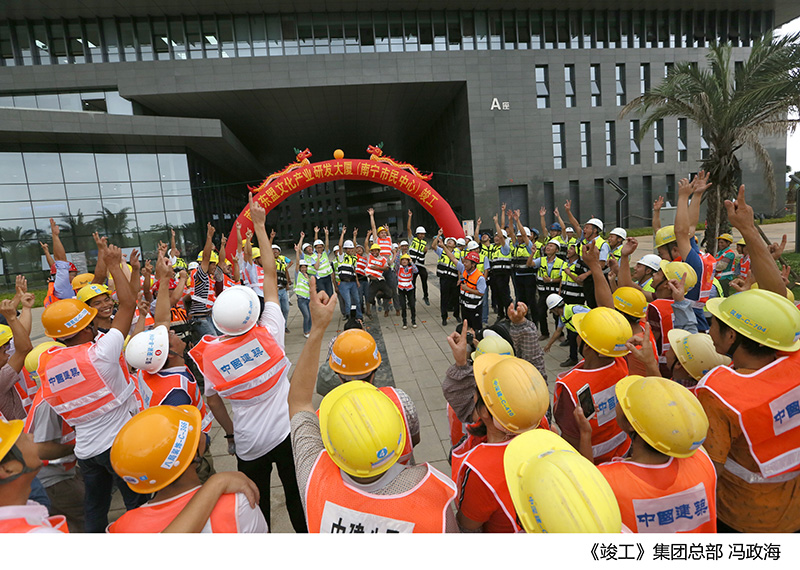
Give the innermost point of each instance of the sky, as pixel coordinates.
(793, 141)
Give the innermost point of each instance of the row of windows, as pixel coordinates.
(95, 101)
(95, 40)
(585, 137)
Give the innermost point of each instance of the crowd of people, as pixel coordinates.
(676, 411)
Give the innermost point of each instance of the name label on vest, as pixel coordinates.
(177, 445)
(605, 401)
(241, 360)
(339, 519)
(786, 411)
(679, 512)
(64, 375)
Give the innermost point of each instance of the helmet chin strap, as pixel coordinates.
(734, 346)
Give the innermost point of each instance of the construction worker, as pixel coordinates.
(632, 304)
(87, 383)
(511, 398)
(204, 289)
(12, 363)
(324, 274)
(644, 271)
(571, 285)
(19, 464)
(616, 238)
(691, 356)
(282, 264)
(153, 453)
(375, 271)
(603, 336)
(352, 483)
(354, 355)
(247, 366)
(591, 234)
(667, 483)
(448, 276)
(563, 312)
(417, 249)
(405, 273)
(500, 267)
(524, 277)
(98, 297)
(555, 489)
(63, 272)
(348, 290)
(554, 232)
(471, 286)
(726, 261)
(742, 269)
(548, 279)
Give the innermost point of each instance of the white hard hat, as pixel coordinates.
(619, 232)
(402, 243)
(276, 246)
(449, 239)
(193, 265)
(420, 230)
(505, 233)
(348, 244)
(570, 229)
(236, 310)
(148, 350)
(652, 261)
(553, 300)
(336, 248)
(554, 242)
(473, 245)
(596, 223)
(394, 245)
(302, 263)
(318, 242)
(305, 245)
(527, 231)
(461, 241)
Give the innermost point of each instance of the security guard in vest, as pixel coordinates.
(417, 251)
(346, 273)
(284, 281)
(591, 235)
(500, 265)
(616, 238)
(548, 273)
(472, 288)
(448, 276)
(524, 276)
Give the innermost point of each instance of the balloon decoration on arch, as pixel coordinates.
(377, 168)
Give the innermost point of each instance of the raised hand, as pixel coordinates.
(210, 229)
(678, 288)
(134, 260)
(21, 285)
(257, 213)
(148, 267)
(591, 255)
(28, 300)
(629, 246)
(45, 247)
(542, 211)
(685, 189)
(458, 345)
(8, 308)
(568, 205)
(371, 211)
(700, 183)
(272, 235)
(517, 314)
(54, 229)
(409, 214)
(658, 204)
(740, 214)
(776, 250)
(503, 206)
(326, 229)
(112, 255)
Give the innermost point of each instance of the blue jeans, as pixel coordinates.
(350, 296)
(363, 290)
(325, 284)
(302, 304)
(283, 298)
(98, 478)
(201, 326)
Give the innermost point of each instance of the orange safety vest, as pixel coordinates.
(608, 439)
(152, 518)
(74, 388)
(469, 299)
(155, 388)
(361, 265)
(375, 266)
(662, 308)
(50, 298)
(386, 245)
(767, 403)
(228, 282)
(333, 505)
(67, 431)
(178, 315)
(24, 526)
(26, 389)
(486, 461)
(706, 279)
(241, 367)
(744, 266)
(149, 321)
(405, 278)
(686, 504)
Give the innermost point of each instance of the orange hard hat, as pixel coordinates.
(66, 317)
(354, 353)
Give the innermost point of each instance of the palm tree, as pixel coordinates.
(116, 224)
(733, 108)
(78, 229)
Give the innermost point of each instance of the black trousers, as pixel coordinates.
(379, 286)
(525, 290)
(501, 291)
(572, 338)
(408, 299)
(260, 471)
(473, 316)
(423, 275)
(543, 313)
(449, 296)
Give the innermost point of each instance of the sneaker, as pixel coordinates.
(413, 325)
(563, 343)
(444, 322)
(306, 335)
(405, 327)
(426, 302)
(386, 313)
(286, 330)
(568, 363)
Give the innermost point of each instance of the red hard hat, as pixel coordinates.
(473, 256)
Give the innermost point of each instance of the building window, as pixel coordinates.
(586, 145)
(682, 140)
(611, 143)
(575, 197)
(599, 198)
(668, 68)
(620, 84)
(670, 193)
(559, 154)
(704, 150)
(647, 197)
(636, 155)
(542, 87)
(569, 85)
(658, 140)
(644, 78)
(594, 77)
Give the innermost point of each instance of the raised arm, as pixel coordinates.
(259, 216)
(127, 302)
(408, 227)
(22, 340)
(27, 300)
(572, 219)
(59, 252)
(542, 221)
(563, 226)
(657, 205)
(207, 248)
(162, 313)
(502, 215)
(47, 257)
(699, 185)
(135, 281)
(372, 226)
(327, 243)
(602, 291)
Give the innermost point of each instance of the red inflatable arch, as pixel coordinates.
(378, 168)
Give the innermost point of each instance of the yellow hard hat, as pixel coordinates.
(695, 352)
(213, 258)
(255, 253)
(665, 235)
(513, 390)
(354, 353)
(91, 291)
(630, 301)
(726, 237)
(676, 269)
(362, 429)
(667, 416)
(605, 330)
(9, 434)
(763, 316)
(5, 334)
(82, 280)
(66, 317)
(789, 294)
(381, 229)
(741, 242)
(493, 344)
(555, 489)
(405, 256)
(32, 359)
(156, 446)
